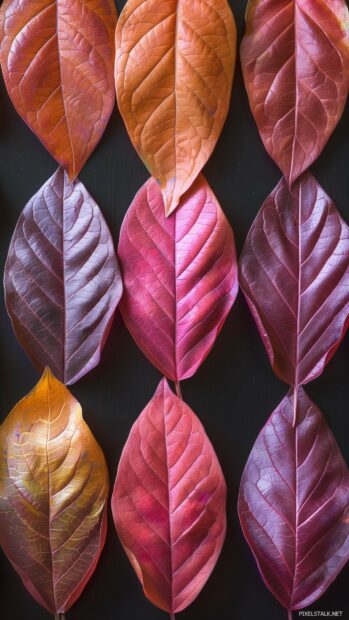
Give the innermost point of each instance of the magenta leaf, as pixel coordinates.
(180, 276)
(62, 281)
(294, 272)
(169, 502)
(294, 503)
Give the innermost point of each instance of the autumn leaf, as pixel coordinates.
(62, 280)
(53, 492)
(169, 502)
(294, 503)
(180, 276)
(294, 272)
(174, 70)
(57, 62)
(295, 61)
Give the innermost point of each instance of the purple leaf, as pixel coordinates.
(294, 272)
(294, 503)
(180, 276)
(62, 281)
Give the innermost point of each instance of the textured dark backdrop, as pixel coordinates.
(234, 391)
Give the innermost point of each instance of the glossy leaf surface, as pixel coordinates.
(174, 71)
(294, 503)
(294, 271)
(169, 502)
(57, 61)
(295, 60)
(180, 276)
(53, 492)
(62, 281)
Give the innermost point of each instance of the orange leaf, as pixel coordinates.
(174, 71)
(53, 492)
(57, 61)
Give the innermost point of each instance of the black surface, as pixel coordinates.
(233, 392)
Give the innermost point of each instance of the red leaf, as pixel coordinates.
(57, 62)
(294, 503)
(62, 281)
(169, 502)
(180, 276)
(294, 272)
(295, 60)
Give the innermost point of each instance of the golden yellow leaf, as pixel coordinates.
(53, 492)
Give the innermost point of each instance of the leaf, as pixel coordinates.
(62, 281)
(169, 502)
(174, 70)
(294, 503)
(294, 272)
(295, 61)
(180, 276)
(53, 492)
(57, 62)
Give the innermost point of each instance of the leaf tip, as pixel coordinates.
(170, 197)
(71, 172)
(47, 372)
(48, 380)
(169, 210)
(163, 387)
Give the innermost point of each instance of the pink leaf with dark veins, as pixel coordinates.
(294, 503)
(169, 502)
(62, 280)
(295, 61)
(180, 276)
(294, 272)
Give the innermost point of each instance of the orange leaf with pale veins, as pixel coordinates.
(53, 492)
(174, 70)
(57, 62)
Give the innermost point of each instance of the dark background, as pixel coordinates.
(233, 392)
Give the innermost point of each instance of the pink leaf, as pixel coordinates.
(169, 502)
(180, 276)
(294, 272)
(62, 281)
(294, 503)
(295, 61)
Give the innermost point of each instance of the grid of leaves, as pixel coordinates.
(294, 272)
(174, 71)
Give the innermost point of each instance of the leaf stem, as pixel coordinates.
(294, 422)
(179, 394)
(172, 617)
(289, 614)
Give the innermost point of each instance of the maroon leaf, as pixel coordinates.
(169, 502)
(180, 276)
(295, 61)
(294, 271)
(62, 281)
(294, 503)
